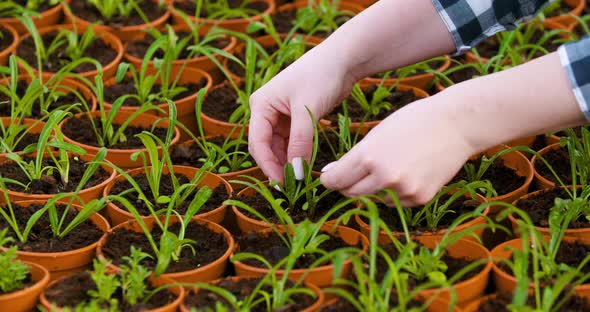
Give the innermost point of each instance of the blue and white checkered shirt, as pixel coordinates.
(471, 21)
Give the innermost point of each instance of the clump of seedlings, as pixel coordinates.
(221, 9)
(14, 272)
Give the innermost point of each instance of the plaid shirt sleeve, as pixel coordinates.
(471, 21)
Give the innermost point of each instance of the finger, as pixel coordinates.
(279, 148)
(300, 139)
(367, 186)
(345, 172)
(260, 140)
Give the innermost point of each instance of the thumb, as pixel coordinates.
(300, 138)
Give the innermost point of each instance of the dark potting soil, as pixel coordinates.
(433, 65)
(241, 289)
(80, 130)
(166, 188)
(26, 283)
(98, 50)
(221, 102)
(460, 206)
(463, 75)
(397, 99)
(61, 102)
(88, 12)
(190, 7)
(503, 300)
(127, 86)
(6, 39)
(263, 207)
(489, 47)
(272, 248)
(538, 207)
(564, 9)
(73, 290)
(328, 141)
(343, 305)
(559, 160)
(41, 238)
(138, 48)
(209, 247)
(548, 44)
(26, 140)
(51, 184)
(284, 22)
(503, 178)
(193, 155)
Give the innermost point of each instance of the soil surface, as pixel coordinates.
(284, 22)
(489, 47)
(166, 188)
(463, 75)
(193, 155)
(51, 184)
(272, 248)
(328, 141)
(343, 305)
(61, 101)
(26, 140)
(241, 289)
(98, 50)
(209, 247)
(138, 48)
(127, 86)
(221, 102)
(190, 7)
(538, 207)
(80, 130)
(419, 71)
(460, 206)
(88, 12)
(263, 207)
(6, 39)
(503, 178)
(559, 160)
(500, 304)
(73, 290)
(397, 99)
(41, 238)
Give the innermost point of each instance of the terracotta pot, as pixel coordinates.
(26, 299)
(507, 283)
(577, 7)
(64, 85)
(580, 234)
(4, 54)
(33, 126)
(155, 282)
(237, 24)
(367, 126)
(312, 308)
(185, 107)
(420, 81)
(206, 273)
(46, 18)
(320, 276)
(86, 194)
(201, 62)
(471, 288)
(214, 127)
(540, 181)
(108, 70)
(118, 215)
(121, 157)
(62, 263)
(124, 33)
(384, 238)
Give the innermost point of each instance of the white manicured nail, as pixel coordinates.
(297, 163)
(278, 188)
(328, 166)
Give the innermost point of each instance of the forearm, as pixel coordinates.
(388, 35)
(530, 99)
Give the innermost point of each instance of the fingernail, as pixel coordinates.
(328, 166)
(297, 163)
(278, 188)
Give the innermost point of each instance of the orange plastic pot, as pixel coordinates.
(4, 54)
(124, 33)
(206, 273)
(109, 39)
(235, 24)
(315, 307)
(320, 276)
(540, 181)
(121, 157)
(118, 215)
(507, 283)
(26, 299)
(420, 81)
(203, 63)
(155, 282)
(62, 263)
(185, 107)
(577, 7)
(363, 128)
(384, 238)
(581, 234)
(86, 194)
(46, 18)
